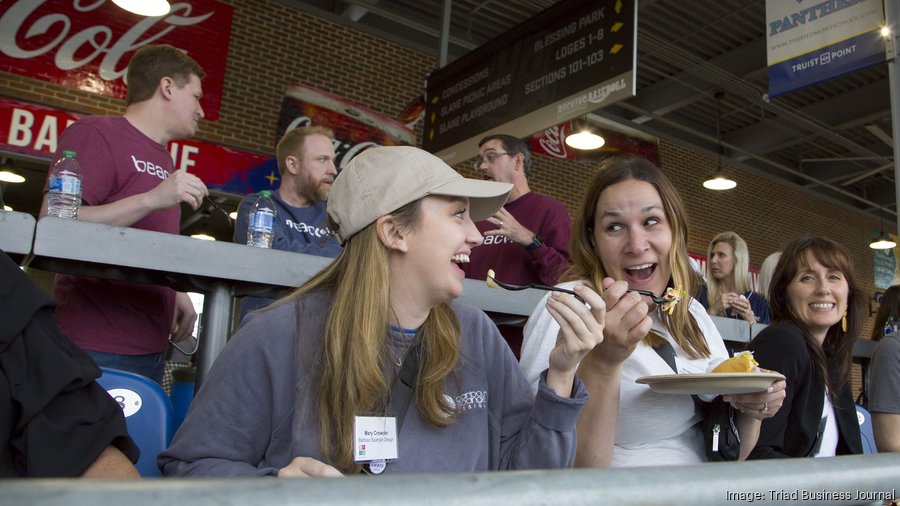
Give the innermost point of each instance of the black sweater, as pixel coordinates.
(792, 431)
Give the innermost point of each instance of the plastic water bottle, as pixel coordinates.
(262, 221)
(64, 187)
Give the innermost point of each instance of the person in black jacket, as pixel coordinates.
(55, 420)
(817, 309)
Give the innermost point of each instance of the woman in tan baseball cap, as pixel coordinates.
(372, 366)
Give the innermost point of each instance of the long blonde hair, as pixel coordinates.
(356, 373)
(740, 274)
(586, 264)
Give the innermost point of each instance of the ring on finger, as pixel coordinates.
(500, 223)
(765, 408)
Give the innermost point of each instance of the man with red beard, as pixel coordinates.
(306, 164)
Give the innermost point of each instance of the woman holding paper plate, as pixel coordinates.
(372, 366)
(631, 234)
(817, 313)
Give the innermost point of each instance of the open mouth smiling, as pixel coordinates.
(460, 258)
(640, 272)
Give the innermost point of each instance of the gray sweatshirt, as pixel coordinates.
(257, 409)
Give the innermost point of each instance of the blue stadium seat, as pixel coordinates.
(865, 429)
(148, 414)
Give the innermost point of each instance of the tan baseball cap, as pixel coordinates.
(381, 180)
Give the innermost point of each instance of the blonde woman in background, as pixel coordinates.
(728, 291)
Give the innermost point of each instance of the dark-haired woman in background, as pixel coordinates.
(817, 310)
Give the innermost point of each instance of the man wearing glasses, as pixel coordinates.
(527, 241)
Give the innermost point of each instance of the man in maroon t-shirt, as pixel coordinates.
(527, 241)
(128, 179)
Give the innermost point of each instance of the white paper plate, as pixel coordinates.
(711, 383)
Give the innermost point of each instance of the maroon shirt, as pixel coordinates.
(117, 161)
(512, 263)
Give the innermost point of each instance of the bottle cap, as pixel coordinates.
(68, 154)
(265, 193)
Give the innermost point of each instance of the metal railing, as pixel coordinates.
(854, 479)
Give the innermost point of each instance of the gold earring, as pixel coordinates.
(844, 322)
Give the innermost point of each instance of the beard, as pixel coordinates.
(314, 190)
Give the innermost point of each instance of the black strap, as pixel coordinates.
(727, 447)
(403, 389)
(667, 352)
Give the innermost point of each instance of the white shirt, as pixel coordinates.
(828, 448)
(652, 429)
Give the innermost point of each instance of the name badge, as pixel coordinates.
(375, 438)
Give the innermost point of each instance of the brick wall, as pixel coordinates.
(272, 46)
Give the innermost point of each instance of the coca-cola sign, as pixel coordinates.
(552, 141)
(86, 44)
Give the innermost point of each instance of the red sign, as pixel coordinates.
(355, 127)
(34, 129)
(86, 44)
(355, 130)
(552, 142)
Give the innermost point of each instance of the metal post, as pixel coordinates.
(892, 16)
(445, 33)
(216, 327)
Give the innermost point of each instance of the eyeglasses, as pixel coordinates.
(489, 157)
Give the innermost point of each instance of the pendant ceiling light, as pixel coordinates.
(884, 241)
(145, 7)
(7, 175)
(719, 181)
(585, 138)
(10, 177)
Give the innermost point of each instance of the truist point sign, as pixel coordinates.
(810, 41)
(86, 44)
(572, 58)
